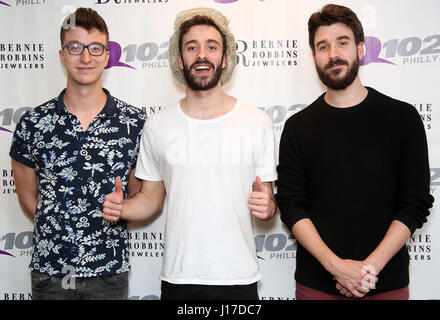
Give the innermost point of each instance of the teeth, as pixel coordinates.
(202, 68)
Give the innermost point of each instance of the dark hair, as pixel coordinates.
(195, 21)
(86, 18)
(331, 14)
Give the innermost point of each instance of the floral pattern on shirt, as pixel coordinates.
(75, 170)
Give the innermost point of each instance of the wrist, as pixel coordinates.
(372, 265)
(331, 263)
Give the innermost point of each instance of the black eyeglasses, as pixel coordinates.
(77, 48)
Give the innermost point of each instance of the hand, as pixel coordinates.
(112, 207)
(353, 279)
(261, 202)
(369, 281)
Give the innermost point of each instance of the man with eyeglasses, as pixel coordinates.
(65, 155)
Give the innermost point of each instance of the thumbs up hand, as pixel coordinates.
(261, 201)
(112, 207)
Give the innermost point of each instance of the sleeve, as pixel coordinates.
(147, 166)
(21, 145)
(413, 195)
(265, 162)
(292, 195)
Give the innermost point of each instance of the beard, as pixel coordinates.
(200, 83)
(329, 78)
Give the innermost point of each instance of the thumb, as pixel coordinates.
(118, 186)
(259, 185)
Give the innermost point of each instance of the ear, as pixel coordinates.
(61, 54)
(180, 62)
(224, 61)
(361, 50)
(107, 56)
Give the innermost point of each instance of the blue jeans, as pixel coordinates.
(113, 287)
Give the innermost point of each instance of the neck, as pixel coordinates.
(82, 100)
(207, 104)
(349, 97)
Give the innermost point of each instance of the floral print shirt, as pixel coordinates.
(75, 169)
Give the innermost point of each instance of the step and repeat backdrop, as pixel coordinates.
(275, 72)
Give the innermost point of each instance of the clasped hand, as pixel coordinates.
(354, 279)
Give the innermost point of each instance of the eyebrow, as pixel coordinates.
(196, 41)
(338, 38)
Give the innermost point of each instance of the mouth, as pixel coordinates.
(85, 69)
(336, 64)
(202, 69)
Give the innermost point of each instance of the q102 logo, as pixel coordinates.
(412, 50)
(22, 241)
(151, 54)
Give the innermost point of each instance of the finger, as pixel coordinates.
(112, 199)
(357, 293)
(111, 218)
(258, 201)
(118, 186)
(256, 208)
(112, 212)
(259, 195)
(260, 215)
(259, 184)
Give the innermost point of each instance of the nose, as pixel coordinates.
(85, 56)
(202, 53)
(332, 52)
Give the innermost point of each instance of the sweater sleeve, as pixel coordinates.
(413, 199)
(292, 196)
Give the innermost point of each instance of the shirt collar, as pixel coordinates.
(109, 108)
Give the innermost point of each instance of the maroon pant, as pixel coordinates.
(306, 293)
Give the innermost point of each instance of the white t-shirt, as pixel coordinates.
(208, 167)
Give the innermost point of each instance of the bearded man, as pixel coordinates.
(209, 162)
(353, 175)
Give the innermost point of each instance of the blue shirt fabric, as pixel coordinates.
(75, 170)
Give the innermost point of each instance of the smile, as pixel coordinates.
(202, 68)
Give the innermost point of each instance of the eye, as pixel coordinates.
(96, 48)
(75, 46)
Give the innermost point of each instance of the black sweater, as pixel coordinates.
(352, 171)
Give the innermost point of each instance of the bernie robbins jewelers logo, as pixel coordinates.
(267, 53)
(7, 186)
(146, 244)
(425, 110)
(22, 56)
(419, 247)
(407, 51)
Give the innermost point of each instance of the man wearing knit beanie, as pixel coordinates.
(209, 163)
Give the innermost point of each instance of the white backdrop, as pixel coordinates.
(275, 72)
